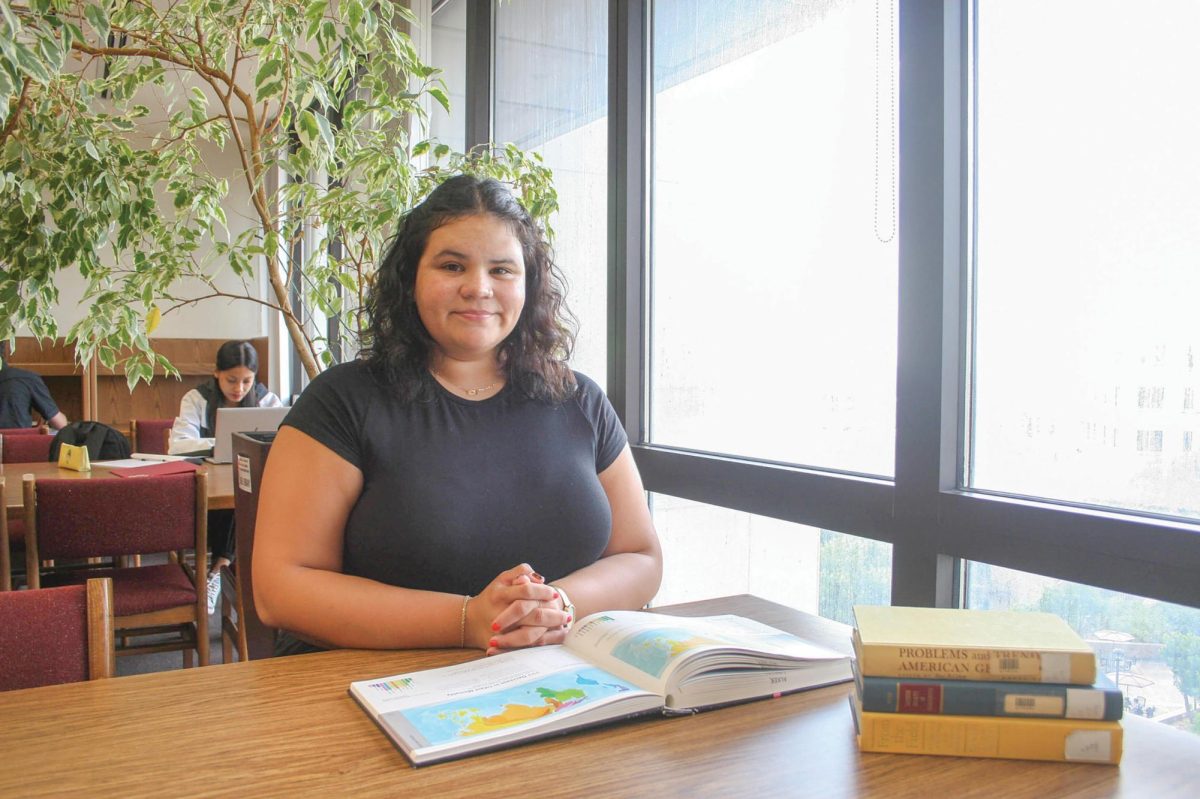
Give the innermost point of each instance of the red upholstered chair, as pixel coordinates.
(69, 520)
(23, 448)
(23, 431)
(150, 435)
(56, 635)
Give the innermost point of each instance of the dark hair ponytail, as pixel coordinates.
(237, 353)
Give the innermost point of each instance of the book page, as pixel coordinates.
(486, 702)
(656, 650)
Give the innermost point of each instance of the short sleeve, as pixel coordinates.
(332, 410)
(41, 399)
(610, 438)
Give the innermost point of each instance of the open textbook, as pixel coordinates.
(613, 665)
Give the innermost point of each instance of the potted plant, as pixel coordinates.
(109, 108)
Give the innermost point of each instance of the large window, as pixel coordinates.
(712, 551)
(952, 323)
(773, 262)
(552, 98)
(1087, 253)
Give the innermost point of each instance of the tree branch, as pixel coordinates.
(14, 114)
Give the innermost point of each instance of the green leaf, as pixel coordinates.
(440, 95)
(9, 18)
(97, 16)
(316, 10)
(30, 64)
(272, 89)
(354, 12)
(307, 128)
(268, 70)
(326, 131)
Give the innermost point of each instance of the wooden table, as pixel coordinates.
(287, 727)
(220, 482)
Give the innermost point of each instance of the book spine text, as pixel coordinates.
(972, 698)
(960, 663)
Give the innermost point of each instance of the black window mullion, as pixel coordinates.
(481, 70)
(628, 123)
(928, 346)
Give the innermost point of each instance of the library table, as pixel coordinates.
(287, 727)
(220, 482)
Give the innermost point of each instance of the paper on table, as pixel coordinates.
(147, 469)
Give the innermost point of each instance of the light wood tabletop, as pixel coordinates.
(220, 482)
(287, 727)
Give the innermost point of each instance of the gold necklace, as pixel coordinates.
(470, 392)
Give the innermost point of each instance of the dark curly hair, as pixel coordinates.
(533, 357)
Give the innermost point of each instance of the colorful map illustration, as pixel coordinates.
(653, 650)
(514, 705)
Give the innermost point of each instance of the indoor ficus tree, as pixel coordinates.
(108, 110)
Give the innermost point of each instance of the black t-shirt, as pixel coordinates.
(456, 491)
(21, 391)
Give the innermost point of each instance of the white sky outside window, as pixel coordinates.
(773, 321)
(1088, 270)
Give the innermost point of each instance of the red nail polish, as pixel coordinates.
(495, 626)
(568, 619)
(493, 643)
(555, 595)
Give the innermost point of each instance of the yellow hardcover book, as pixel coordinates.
(953, 644)
(1012, 738)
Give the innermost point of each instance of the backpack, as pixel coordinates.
(104, 443)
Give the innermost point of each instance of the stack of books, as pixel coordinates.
(980, 683)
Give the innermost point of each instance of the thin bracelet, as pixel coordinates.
(462, 623)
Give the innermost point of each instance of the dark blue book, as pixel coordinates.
(1101, 701)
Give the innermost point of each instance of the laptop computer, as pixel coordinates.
(242, 420)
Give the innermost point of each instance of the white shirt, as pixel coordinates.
(193, 409)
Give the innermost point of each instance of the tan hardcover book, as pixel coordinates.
(1064, 740)
(952, 644)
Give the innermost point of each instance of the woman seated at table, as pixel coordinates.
(459, 485)
(234, 384)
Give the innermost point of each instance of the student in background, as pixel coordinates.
(234, 384)
(459, 485)
(21, 393)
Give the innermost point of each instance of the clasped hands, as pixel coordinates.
(515, 611)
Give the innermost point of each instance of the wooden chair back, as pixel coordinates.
(25, 448)
(5, 552)
(111, 517)
(56, 635)
(151, 435)
(23, 431)
(241, 628)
